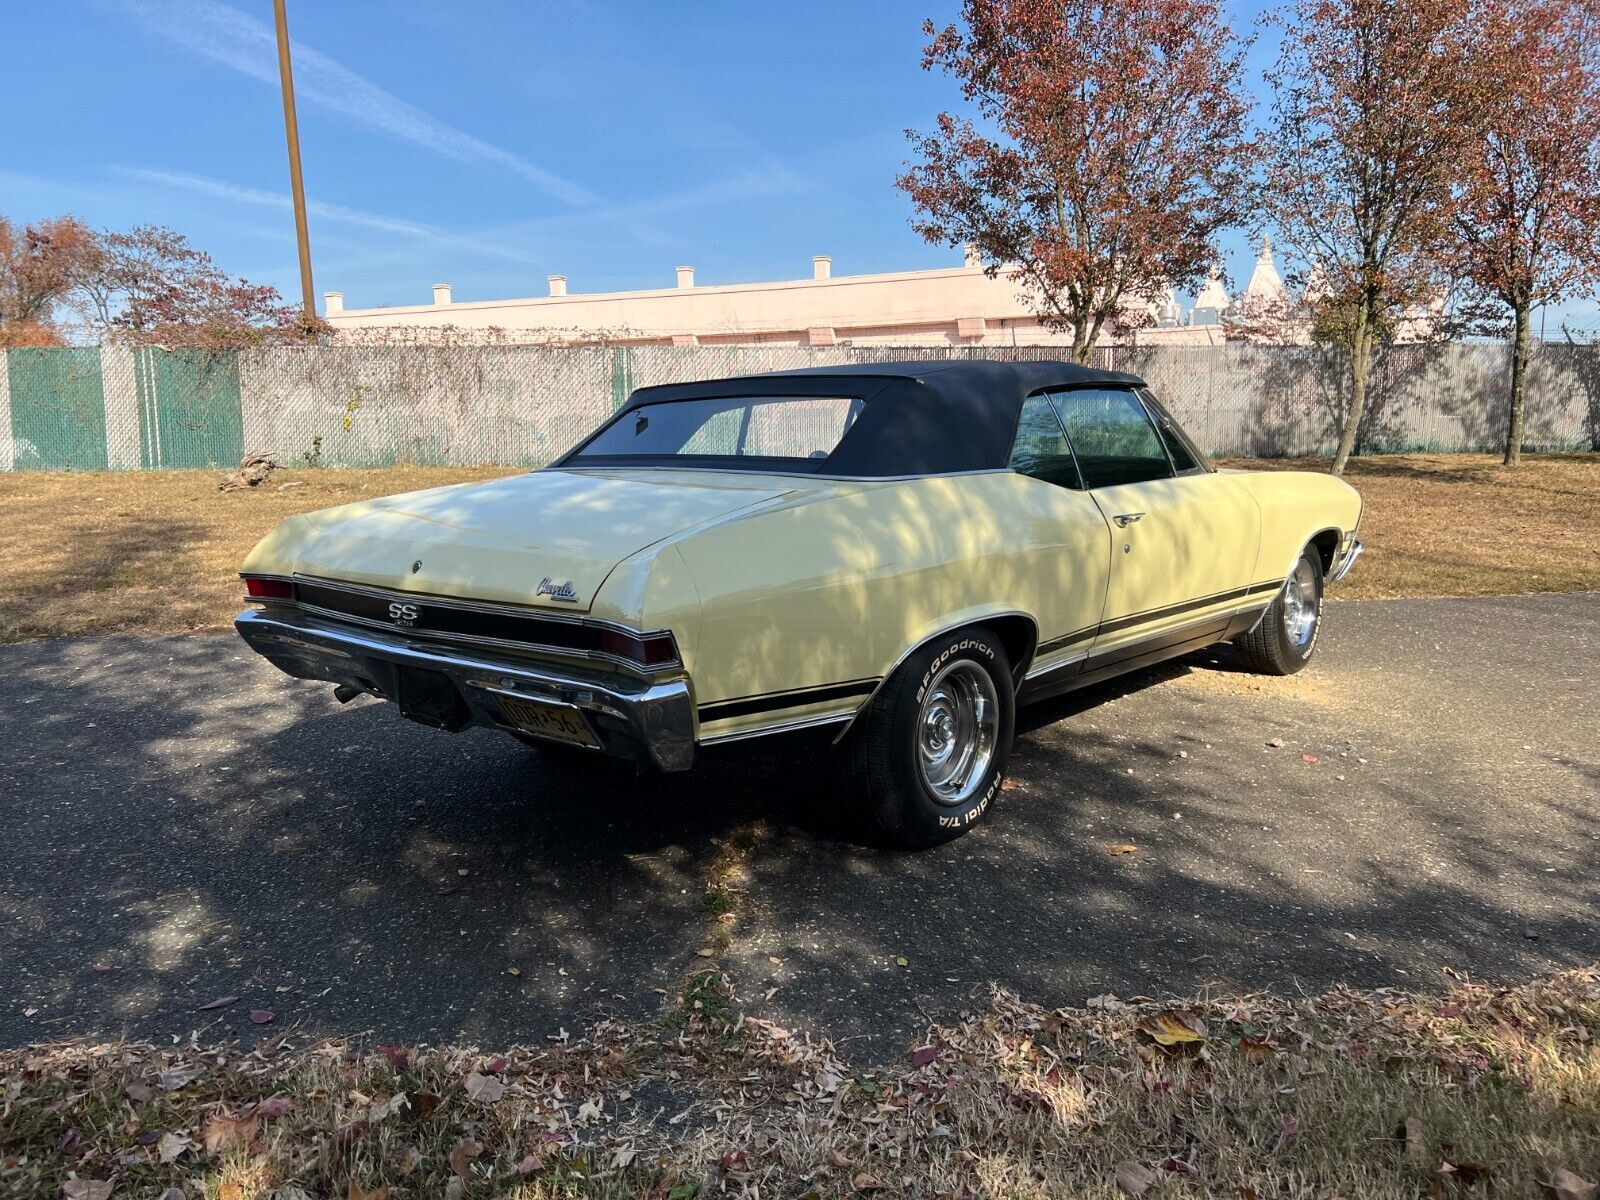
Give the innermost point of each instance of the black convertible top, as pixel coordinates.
(918, 418)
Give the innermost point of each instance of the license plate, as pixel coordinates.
(549, 719)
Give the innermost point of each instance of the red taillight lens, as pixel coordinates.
(648, 650)
(268, 589)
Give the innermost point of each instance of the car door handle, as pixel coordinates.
(1123, 520)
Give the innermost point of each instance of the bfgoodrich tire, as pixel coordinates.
(928, 756)
(1286, 636)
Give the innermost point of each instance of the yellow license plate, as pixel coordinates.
(549, 719)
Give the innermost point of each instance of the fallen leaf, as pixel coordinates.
(706, 952)
(388, 1108)
(223, 1131)
(261, 1016)
(407, 1159)
(1122, 848)
(838, 1159)
(1172, 1028)
(1564, 1185)
(1310, 758)
(172, 1145)
(455, 1188)
(1178, 1166)
(357, 1192)
(102, 967)
(219, 1002)
(485, 1088)
(396, 1056)
(139, 1092)
(901, 961)
(422, 1106)
(86, 1189)
(495, 1066)
(462, 1155)
(1135, 1178)
(923, 1055)
(177, 1077)
(863, 1182)
(274, 1107)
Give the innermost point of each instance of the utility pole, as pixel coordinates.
(291, 129)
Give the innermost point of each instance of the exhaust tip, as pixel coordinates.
(345, 693)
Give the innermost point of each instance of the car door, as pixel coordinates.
(1184, 538)
(1067, 546)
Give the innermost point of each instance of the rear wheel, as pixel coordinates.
(1283, 640)
(928, 756)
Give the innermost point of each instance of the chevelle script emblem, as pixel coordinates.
(557, 591)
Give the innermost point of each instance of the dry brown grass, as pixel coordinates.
(149, 551)
(1481, 1092)
(155, 551)
(1463, 525)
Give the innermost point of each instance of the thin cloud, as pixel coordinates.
(249, 46)
(400, 226)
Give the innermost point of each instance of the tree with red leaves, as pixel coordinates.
(1369, 121)
(150, 286)
(1527, 205)
(39, 265)
(1112, 149)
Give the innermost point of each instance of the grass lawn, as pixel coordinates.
(153, 551)
(1478, 1093)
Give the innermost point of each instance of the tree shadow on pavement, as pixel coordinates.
(204, 828)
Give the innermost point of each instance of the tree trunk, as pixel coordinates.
(1519, 384)
(1081, 347)
(1360, 368)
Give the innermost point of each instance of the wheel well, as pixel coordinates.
(1327, 544)
(1019, 635)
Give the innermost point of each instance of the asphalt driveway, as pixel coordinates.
(180, 824)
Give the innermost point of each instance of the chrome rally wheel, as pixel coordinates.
(928, 753)
(1302, 604)
(957, 731)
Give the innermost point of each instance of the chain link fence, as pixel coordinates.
(130, 409)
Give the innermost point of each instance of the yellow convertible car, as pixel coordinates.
(898, 554)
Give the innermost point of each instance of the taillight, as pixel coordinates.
(258, 588)
(647, 649)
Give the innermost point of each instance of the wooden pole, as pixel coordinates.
(297, 185)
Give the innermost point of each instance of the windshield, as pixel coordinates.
(749, 432)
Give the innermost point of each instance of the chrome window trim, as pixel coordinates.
(796, 474)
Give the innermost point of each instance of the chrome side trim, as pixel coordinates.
(1037, 672)
(739, 735)
(1345, 557)
(657, 715)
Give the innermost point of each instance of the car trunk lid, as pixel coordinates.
(547, 538)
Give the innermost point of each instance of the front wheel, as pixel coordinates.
(1282, 641)
(928, 755)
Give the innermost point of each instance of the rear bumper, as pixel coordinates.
(1345, 557)
(648, 720)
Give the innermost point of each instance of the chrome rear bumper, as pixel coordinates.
(1345, 557)
(644, 719)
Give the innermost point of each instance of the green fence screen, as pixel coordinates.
(58, 415)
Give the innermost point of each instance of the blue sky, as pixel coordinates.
(487, 143)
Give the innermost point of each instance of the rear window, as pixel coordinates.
(726, 429)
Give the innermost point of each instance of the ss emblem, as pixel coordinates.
(404, 614)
